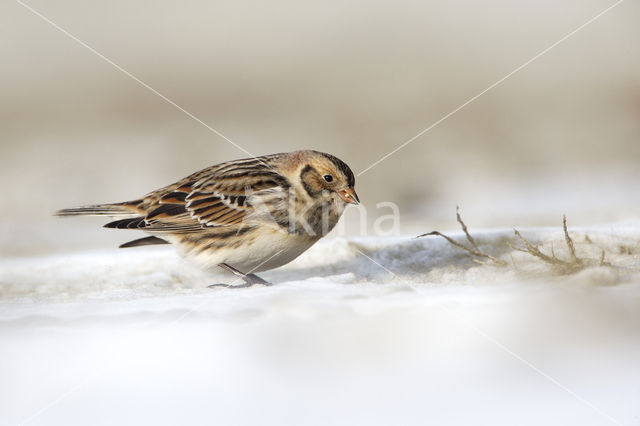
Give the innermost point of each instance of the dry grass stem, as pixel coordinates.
(465, 230)
(574, 264)
(474, 250)
(569, 241)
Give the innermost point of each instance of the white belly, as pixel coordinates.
(273, 248)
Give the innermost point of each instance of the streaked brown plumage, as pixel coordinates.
(252, 214)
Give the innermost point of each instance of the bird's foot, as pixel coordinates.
(249, 279)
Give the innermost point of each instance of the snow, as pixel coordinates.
(359, 330)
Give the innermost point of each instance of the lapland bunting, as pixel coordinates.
(244, 216)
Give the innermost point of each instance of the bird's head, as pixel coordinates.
(324, 173)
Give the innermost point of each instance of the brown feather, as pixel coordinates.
(146, 241)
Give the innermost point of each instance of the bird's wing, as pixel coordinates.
(226, 195)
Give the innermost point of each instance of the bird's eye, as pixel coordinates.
(328, 178)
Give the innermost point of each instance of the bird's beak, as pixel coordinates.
(349, 196)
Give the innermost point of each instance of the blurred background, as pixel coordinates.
(138, 335)
(355, 79)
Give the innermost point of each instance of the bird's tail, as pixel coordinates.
(129, 208)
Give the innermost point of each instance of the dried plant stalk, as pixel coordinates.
(569, 241)
(474, 250)
(574, 263)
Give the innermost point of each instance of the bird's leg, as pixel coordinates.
(249, 279)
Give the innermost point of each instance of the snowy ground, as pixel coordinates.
(356, 331)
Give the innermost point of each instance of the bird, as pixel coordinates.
(244, 216)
